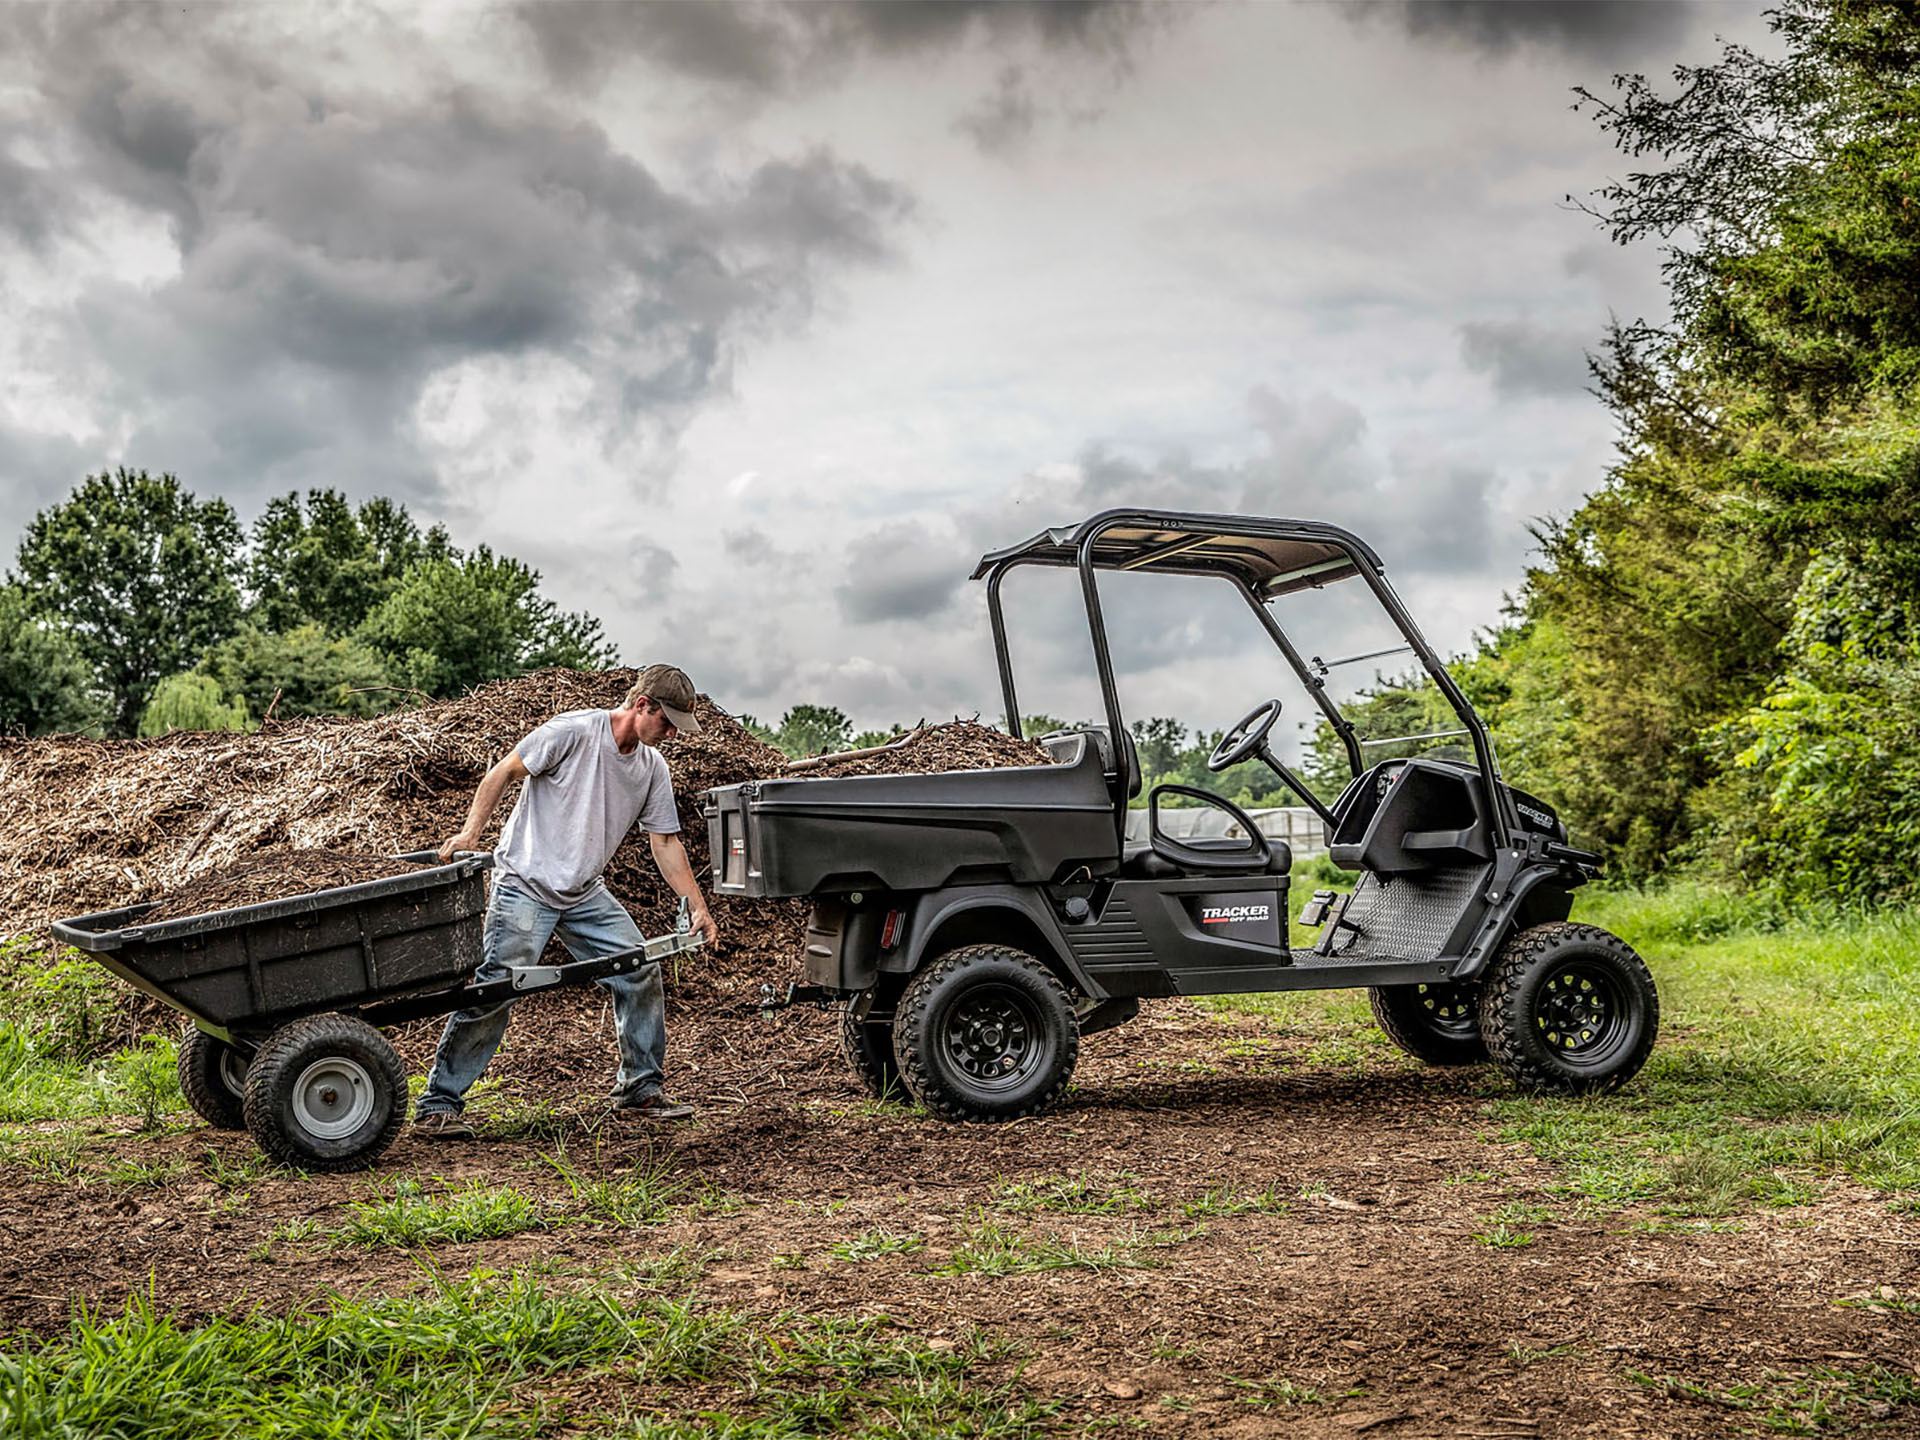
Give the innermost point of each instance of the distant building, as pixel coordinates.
(1303, 831)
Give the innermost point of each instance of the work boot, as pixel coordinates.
(653, 1107)
(442, 1125)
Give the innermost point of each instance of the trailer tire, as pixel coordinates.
(868, 1048)
(1439, 1024)
(326, 1093)
(213, 1077)
(986, 1032)
(1569, 1009)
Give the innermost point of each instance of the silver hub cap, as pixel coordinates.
(333, 1097)
(233, 1071)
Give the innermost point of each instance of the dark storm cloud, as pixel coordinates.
(1602, 29)
(29, 201)
(339, 247)
(1004, 120)
(902, 570)
(776, 44)
(36, 471)
(1522, 360)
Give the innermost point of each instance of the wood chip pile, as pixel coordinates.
(273, 875)
(93, 825)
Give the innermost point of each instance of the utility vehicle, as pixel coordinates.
(974, 925)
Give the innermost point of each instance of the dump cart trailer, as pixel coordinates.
(287, 998)
(972, 926)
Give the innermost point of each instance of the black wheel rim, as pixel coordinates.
(1582, 1015)
(991, 1037)
(1449, 1010)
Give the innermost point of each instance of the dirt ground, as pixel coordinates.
(1369, 1288)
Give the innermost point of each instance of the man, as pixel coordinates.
(589, 775)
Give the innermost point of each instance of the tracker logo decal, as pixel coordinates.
(1228, 914)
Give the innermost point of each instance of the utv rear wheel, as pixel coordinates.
(1439, 1024)
(326, 1093)
(1569, 1009)
(986, 1033)
(868, 1049)
(213, 1077)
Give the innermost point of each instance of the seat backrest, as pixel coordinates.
(1129, 756)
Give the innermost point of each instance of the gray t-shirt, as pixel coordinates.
(580, 799)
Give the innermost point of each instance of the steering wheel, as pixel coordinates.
(1246, 739)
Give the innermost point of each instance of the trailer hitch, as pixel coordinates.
(773, 999)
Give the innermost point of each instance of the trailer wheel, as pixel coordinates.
(868, 1049)
(986, 1033)
(213, 1077)
(1439, 1024)
(326, 1093)
(1569, 1009)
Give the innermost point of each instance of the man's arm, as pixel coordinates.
(671, 856)
(485, 800)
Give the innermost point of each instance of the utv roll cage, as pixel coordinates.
(1262, 559)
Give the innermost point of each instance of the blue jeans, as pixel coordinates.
(517, 930)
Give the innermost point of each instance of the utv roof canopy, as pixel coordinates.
(1268, 557)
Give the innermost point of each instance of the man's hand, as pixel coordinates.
(465, 840)
(671, 856)
(704, 927)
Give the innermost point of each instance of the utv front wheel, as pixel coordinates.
(986, 1033)
(868, 1049)
(1439, 1024)
(1569, 1008)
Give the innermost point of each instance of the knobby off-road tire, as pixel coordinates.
(1569, 1009)
(986, 1033)
(1439, 1024)
(213, 1077)
(869, 1053)
(326, 1093)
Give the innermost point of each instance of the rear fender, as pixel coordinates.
(943, 920)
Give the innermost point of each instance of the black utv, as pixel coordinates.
(975, 924)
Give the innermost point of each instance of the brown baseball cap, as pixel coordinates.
(669, 688)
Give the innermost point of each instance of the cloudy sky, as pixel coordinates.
(753, 326)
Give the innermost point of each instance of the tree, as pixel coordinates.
(45, 684)
(456, 621)
(325, 562)
(303, 671)
(191, 701)
(1158, 741)
(814, 730)
(141, 573)
(1770, 476)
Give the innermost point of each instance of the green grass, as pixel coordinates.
(1275, 1392)
(40, 1081)
(641, 1196)
(1079, 1194)
(407, 1216)
(877, 1244)
(1786, 1056)
(1505, 1237)
(995, 1249)
(1785, 1059)
(1823, 1400)
(495, 1356)
(1224, 1200)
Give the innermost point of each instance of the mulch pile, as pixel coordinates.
(94, 825)
(273, 875)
